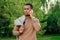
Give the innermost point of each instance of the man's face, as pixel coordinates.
(27, 9)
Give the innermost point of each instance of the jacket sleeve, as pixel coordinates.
(15, 31)
(36, 24)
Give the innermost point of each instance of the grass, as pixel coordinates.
(44, 37)
(49, 37)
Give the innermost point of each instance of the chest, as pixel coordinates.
(28, 24)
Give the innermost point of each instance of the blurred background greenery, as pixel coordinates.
(47, 11)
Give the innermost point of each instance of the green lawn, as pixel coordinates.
(45, 37)
(49, 37)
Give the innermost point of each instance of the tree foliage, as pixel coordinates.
(12, 9)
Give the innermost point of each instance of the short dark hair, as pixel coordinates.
(30, 5)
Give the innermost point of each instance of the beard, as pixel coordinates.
(27, 15)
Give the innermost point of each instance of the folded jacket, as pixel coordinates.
(20, 20)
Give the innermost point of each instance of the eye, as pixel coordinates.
(27, 8)
(24, 8)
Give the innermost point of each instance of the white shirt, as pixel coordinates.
(20, 20)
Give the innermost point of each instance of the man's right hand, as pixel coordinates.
(21, 29)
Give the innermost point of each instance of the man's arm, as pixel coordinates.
(36, 24)
(16, 31)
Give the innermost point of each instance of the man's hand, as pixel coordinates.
(31, 14)
(21, 29)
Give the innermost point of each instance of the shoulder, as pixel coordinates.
(36, 19)
(23, 16)
(18, 20)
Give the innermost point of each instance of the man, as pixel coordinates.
(28, 30)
